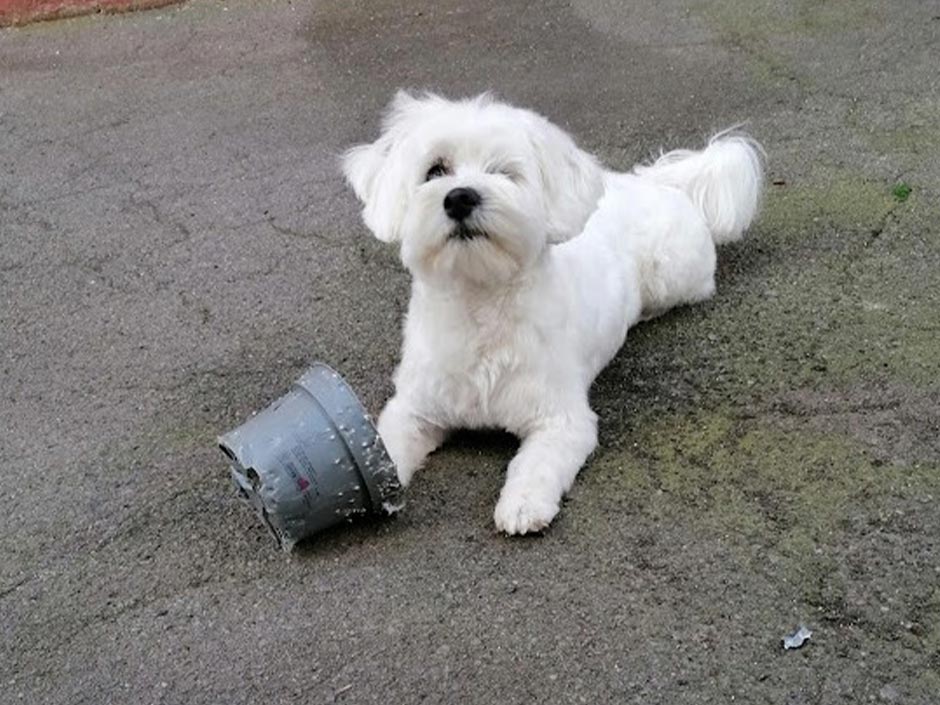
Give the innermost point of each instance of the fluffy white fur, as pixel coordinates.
(508, 328)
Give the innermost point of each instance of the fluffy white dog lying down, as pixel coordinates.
(529, 264)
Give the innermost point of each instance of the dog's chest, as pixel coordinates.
(472, 374)
(479, 393)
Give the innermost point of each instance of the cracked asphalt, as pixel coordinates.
(178, 244)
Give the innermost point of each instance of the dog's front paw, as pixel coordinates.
(522, 511)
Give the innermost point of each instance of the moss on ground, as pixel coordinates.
(747, 476)
(808, 507)
(909, 131)
(756, 27)
(827, 296)
(805, 18)
(828, 196)
(830, 289)
(901, 192)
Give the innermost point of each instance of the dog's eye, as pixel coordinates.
(505, 170)
(437, 169)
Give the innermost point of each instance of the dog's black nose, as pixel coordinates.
(460, 202)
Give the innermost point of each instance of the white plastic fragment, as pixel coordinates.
(392, 507)
(795, 641)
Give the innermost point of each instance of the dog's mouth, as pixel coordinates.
(465, 233)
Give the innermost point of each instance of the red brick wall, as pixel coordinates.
(22, 11)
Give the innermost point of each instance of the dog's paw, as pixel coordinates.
(520, 511)
(405, 472)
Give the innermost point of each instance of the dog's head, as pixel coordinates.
(473, 189)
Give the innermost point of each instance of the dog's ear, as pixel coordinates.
(369, 169)
(361, 166)
(376, 174)
(572, 180)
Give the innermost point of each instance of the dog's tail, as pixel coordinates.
(724, 180)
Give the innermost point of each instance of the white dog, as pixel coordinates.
(530, 262)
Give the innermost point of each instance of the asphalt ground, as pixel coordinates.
(177, 244)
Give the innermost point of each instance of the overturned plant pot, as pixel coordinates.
(312, 459)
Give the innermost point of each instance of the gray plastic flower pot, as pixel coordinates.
(312, 459)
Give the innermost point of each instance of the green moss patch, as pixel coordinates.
(901, 192)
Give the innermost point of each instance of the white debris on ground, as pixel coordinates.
(392, 507)
(795, 641)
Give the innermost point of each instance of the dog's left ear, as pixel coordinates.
(572, 180)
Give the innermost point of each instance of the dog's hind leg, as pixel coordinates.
(543, 471)
(676, 265)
